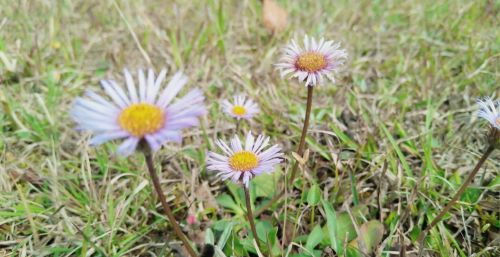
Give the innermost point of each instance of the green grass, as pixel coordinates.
(407, 97)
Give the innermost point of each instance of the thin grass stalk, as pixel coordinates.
(156, 183)
(457, 195)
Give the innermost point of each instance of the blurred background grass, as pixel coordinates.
(406, 97)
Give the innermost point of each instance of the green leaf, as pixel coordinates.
(227, 201)
(314, 237)
(209, 237)
(265, 184)
(263, 228)
(225, 235)
(331, 223)
(314, 195)
(495, 182)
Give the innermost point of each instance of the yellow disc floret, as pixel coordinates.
(239, 110)
(243, 161)
(141, 119)
(311, 62)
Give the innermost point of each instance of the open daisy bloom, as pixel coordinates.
(242, 164)
(240, 108)
(310, 63)
(140, 113)
(490, 111)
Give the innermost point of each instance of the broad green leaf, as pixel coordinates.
(265, 184)
(227, 201)
(209, 237)
(314, 195)
(314, 237)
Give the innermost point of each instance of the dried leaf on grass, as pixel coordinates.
(273, 16)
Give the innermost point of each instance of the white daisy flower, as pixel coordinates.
(310, 63)
(240, 108)
(139, 113)
(242, 164)
(490, 111)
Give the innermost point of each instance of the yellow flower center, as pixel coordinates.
(498, 121)
(239, 110)
(243, 161)
(141, 119)
(311, 62)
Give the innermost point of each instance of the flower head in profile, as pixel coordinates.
(139, 113)
(310, 63)
(490, 111)
(240, 164)
(240, 108)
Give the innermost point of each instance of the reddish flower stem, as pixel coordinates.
(156, 183)
(300, 151)
(457, 195)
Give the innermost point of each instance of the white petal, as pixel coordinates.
(142, 86)
(249, 142)
(128, 146)
(101, 138)
(173, 87)
(132, 90)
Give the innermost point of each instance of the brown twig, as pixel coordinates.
(156, 183)
(300, 151)
(457, 195)
(250, 216)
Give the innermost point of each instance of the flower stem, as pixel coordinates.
(156, 183)
(250, 216)
(457, 195)
(300, 151)
(237, 129)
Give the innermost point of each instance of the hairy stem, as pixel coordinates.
(166, 207)
(250, 216)
(300, 151)
(457, 195)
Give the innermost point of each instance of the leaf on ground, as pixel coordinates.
(372, 234)
(340, 227)
(273, 16)
(27, 176)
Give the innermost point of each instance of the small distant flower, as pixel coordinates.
(313, 61)
(140, 113)
(490, 111)
(241, 108)
(242, 164)
(191, 219)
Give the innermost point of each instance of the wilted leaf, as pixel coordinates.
(371, 234)
(273, 16)
(340, 227)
